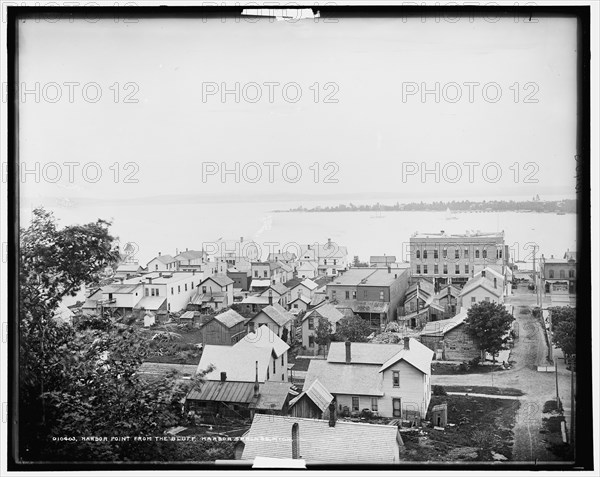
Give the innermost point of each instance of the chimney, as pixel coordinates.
(186, 249)
(495, 283)
(256, 381)
(332, 414)
(270, 297)
(194, 271)
(389, 269)
(348, 352)
(160, 274)
(159, 254)
(223, 376)
(241, 239)
(406, 342)
(328, 243)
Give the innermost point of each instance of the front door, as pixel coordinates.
(396, 407)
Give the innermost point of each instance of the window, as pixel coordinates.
(483, 273)
(147, 292)
(152, 291)
(374, 404)
(499, 253)
(445, 269)
(282, 356)
(255, 273)
(551, 274)
(381, 295)
(347, 295)
(435, 253)
(436, 269)
(365, 294)
(185, 286)
(484, 254)
(561, 274)
(396, 407)
(192, 285)
(457, 269)
(333, 294)
(325, 261)
(204, 289)
(268, 376)
(445, 253)
(274, 366)
(295, 305)
(157, 291)
(355, 403)
(172, 291)
(265, 274)
(424, 253)
(251, 327)
(466, 253)
(571, 273)
(456, 253)
(425, 269)
(477, 253)
(155, 267)
(354, 294)
(418, 269)
(311, 341)
(396, 379)
(418, 254)
(311, 323)
(178, 288)
(487, 298)
(334, 261)
(466, 268)
(473, 299)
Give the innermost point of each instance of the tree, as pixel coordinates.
(564, 327)
(284, 335)
(489, 325)
(78, 382)
(323, 332)
(353, 329)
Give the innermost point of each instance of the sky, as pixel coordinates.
(360, 129)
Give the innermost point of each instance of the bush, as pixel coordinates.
(439, 390)
(366, 413)
(475, 361)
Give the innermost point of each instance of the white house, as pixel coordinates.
(262, 349)
(191, 257)
(213, 293)
(331, 258)
(311, 319)
(393, 380)
(162, 263)
(274, 316)
(278, 291)
(481, 288)
(298, 305)
(175, 287)
(306, 269)
(301, 287)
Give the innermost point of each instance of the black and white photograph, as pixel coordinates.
(290, 237)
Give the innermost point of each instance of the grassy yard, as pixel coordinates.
(446, 368)
(484, 390)
(481, 426)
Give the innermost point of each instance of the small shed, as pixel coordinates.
(149, 320)
(311, 403)
(439, 415)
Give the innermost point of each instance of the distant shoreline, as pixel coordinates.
(566, 206)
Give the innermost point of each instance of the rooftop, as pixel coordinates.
(230, 318)
(345, 443)
(441, 327)
(317, 393)
(223, 391)
(340, 378)
(483, 282)
(239, 362)
(468, 235)
(277, 313)
(221, 280)
(368, 277)
(263, 338)
(327, 311)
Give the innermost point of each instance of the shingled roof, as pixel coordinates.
(346, 442)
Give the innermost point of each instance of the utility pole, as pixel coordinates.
(535, 278)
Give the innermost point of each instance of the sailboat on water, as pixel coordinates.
(450, 215)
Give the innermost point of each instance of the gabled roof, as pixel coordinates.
(425, 288)
(293, 282)
(302, 298)
(258, 300)
(317, 393)
(191, 255)
(129, 267)
(308, 283)
(382, 259)
(327, 311)
(263, 338)
(230, 318)
(200, 298)
(277, 313)
(483, 282)
(570, 255)
(441, 327)
(272, 395)
(346, 442)
(489, 271)
(444, 291)
(285, 266)
(221, 280)
(340, 378)
(317, 299)
(277, 287)
(260, 283)
(364, 353)
(166, 259)
(418, 355)
(237, 361)
(289, 256)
